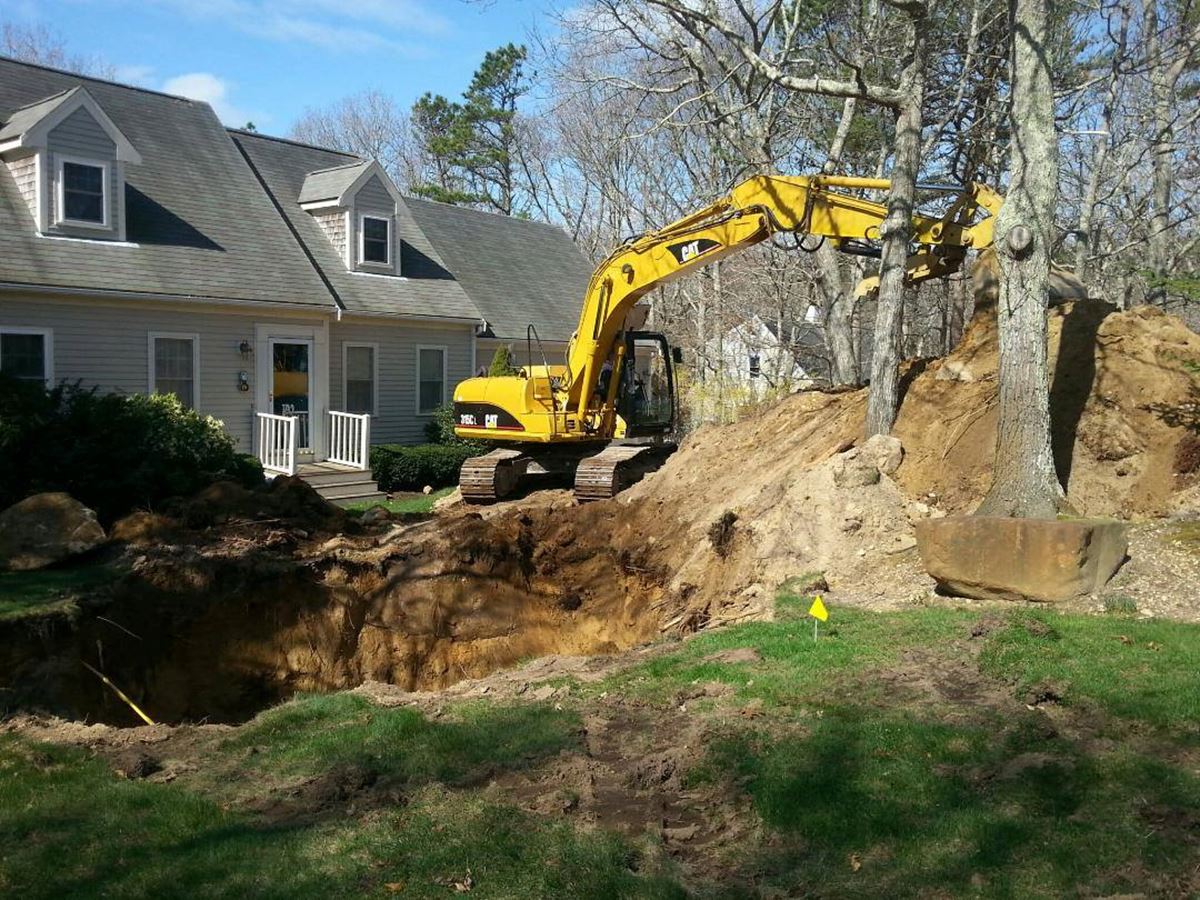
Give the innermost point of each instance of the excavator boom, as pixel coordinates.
(581, 401)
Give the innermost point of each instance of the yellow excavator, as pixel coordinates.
(607, 414)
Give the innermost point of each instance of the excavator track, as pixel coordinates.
(616, 467)
(487, 478)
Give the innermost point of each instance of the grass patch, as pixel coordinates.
(69, 827)
(422, 503)
(873, 803)
(794, 670)
(1139, 670)
(1120, 605)
(316, 734)
(26, 593)
(854, 788)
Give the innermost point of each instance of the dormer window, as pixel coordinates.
(375, 245)
(357, 207)
(82, 194)
(68, 159)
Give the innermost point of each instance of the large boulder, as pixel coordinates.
(852, 469)
(885, 451)
(46, 528)
(992, 558)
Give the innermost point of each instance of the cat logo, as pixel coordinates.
(492, 420)
(689, 250)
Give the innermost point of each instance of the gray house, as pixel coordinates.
(288, 290)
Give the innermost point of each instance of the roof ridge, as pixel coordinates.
(296, 143)
(484, 212)
(349, 165)
(82, 77)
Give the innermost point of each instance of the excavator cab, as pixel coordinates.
(646, 393)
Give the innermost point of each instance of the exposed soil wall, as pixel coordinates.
(218, 633)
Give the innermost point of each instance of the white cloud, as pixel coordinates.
(210, 89)
(142, 76)
(334, 25)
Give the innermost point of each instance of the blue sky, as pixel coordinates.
(267, 60)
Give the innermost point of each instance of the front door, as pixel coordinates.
(291, 386)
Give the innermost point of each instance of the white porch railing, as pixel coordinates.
(349, 439)
(277, 443)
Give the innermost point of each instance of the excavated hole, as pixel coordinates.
(218, 639)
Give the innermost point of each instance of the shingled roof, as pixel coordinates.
(425, 287)
(517, 271)
(21, 120)
(330, 184)
(198, 223)
(215, 213)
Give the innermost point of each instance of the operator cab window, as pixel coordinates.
(83, 198)
(376, 244)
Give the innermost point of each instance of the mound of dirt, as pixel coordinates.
(1125, 408)
(1124, 404)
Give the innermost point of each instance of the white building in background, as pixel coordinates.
(754, 358)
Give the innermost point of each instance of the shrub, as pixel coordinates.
(402, 468)
(502, 363)
(111, 452)
(440, 430)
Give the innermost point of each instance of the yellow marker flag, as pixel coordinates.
(818, 610)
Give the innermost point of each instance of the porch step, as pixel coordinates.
(342, 485)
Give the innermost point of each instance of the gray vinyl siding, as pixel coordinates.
(106, 345)
(80, 135)
(24, 173)
(397, 421)
(373, 199)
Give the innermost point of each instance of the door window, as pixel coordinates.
(291, 386)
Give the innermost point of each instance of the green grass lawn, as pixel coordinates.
(25, 593)
(421, 503)
(858, 784)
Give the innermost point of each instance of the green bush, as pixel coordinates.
(440, 430)
(502, 363)
(112, 452)
(402, 468)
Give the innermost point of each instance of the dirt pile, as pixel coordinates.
(1126, 411)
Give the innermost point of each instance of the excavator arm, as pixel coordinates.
(753, 211)
(578, 405)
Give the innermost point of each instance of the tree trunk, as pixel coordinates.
(1088, 237)
(896, 232)
(1024, 482)
(1162, 175)
(839, 318)
(839, 297)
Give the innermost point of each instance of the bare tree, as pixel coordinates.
(1024, 482)
(38, 44)
(369, 124)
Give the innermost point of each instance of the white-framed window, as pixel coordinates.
(431, 378)
(375, 240)
(755, 365)
(27, 354)
(175, 366)
(82, 191)
(360, 377)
